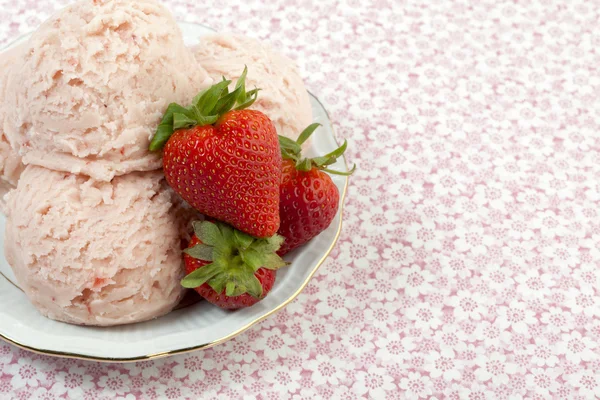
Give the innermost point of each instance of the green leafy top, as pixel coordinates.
(206, 109)
(292, 150)
(235, 257)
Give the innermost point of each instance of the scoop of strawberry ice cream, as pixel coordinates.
(10, 161)
(93, 83)
(97, 253)
(283, 96)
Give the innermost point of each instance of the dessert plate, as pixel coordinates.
(190, 328)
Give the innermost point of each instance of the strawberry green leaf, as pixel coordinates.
(252, 96)
(219, 282)
(342, 173)
(208, 233)
(241, 84)
(211, 97)
(273, 261)
(230, 288)
(182, 121)
(165, 127)
(201, 252)
(332, 157)
(306, 133)
(304, 165)
(289, 145)
(252, 258)
(227, 232)
(242, 240)
(200, 276)
(269, 245)
(226, 102)
(254, 288)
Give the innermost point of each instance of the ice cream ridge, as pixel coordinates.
(94, 230)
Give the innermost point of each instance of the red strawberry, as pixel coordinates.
(226, 164)
(308, 199)
(228, 267)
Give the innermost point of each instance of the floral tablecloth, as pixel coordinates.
(468, 267)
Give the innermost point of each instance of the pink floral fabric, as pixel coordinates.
(468, 267)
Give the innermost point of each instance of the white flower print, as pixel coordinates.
(172, 392)
(424, 235)
(532, 284)
(193, 366)
(439, 365)
(114, 382)
(473, 239)
(494, 367)
(582, 301)
(148, 369)
(450, 340)
(376, 219)
(468, 305)
(358, 341)
(399, 254)
(392, 347)
(360, 251)
(241, 350)
(238, 374)
(275, 344)
(557, 319)
(517, 315)
(587, 384)
(415, 281)
(326, 370)
(373, 383)
(493, 334)
(494, 194)
(576, 347)
(283, 379)
(424, 316)
(335, 302)
(381, 315)
(406, 191)
(26, 372)
(544, 381)
(498, 277)
(518, 227)
(457, 266)
(542, 353)
(416, 386)
(445, 183)
(477, 392)
(74, 382)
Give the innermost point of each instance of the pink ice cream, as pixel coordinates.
(92, 85)
(10, 162)
(96, 253)
(283, 96)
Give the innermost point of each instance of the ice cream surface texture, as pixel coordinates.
(10, 162)
(93, 83)
(283, 96)
(92, 252)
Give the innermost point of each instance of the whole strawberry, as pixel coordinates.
(228, 267)
(224, 161)
(308, 198)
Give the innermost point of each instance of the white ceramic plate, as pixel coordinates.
(195, 327)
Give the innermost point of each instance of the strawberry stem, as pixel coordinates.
(235, 257)
(206, 109)
(292, 150)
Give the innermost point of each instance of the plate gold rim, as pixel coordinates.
(223, 339)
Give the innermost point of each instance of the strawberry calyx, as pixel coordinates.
(234, 258)
(292, 150)
(206, 109)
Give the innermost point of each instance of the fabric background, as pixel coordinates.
(468, 263)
